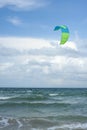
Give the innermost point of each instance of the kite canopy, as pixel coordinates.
(65, 33)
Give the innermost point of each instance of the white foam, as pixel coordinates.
(53, 94)
(70, 126)
(19, 123)
(4, 122)
(4, 98)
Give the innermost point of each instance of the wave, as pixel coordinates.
(69, 117)
(40, 99)
(5, 98)
(34, 104)
(39, 124)
(24, 97)
(8, 97)
(53, 94)
(70, 126)
(3, 122)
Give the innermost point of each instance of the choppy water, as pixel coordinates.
(43, 109)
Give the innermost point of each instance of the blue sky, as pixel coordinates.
(39, 21)
(30, 54)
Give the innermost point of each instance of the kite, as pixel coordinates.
(65, 33)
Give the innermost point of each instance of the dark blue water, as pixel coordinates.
(43, 109)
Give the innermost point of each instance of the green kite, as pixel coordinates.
(65, 33)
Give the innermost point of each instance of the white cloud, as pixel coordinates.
(24, 43)
(14, 20)
(71, 45)
(5, 66)
(60, 65)
(68, 45)
(22, 4)
(54, 70)
(27, 43)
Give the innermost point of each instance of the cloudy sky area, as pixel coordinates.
(30, 53)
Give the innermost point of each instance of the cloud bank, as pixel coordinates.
(30, 62)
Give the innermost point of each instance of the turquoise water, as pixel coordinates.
(43, 109)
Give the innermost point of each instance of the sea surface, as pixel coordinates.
(43, 109)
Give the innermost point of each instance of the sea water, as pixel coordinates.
(43, 109)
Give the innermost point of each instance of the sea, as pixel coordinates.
(43, 109)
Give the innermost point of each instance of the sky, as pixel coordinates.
(30, 53)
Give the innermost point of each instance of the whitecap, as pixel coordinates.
(19, 124)
(70, 126)
(53, 94)
(4, 98)
(3, 122)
